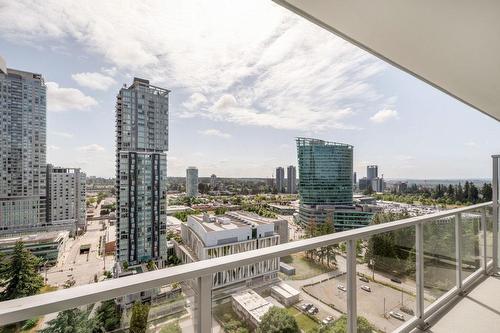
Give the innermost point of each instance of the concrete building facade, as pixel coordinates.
(22, 150)
(213, 181)
(280, 179)
(192, 182)
(66, 197)
(291, 179)
(371, 172)
(205, 237)
(141, 172)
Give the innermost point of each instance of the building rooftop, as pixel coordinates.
(231, 220)
(253, 303)
(35, 238)
(285, 290)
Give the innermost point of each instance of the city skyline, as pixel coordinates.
(229, 102)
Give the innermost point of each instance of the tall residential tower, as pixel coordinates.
(22, 150)
(141, 172)
(192, 182)
(280, 179)
(291, 179)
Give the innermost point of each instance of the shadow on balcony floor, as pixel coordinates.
(478, 311)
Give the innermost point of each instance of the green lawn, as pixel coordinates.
(306, 324)
(304, 268)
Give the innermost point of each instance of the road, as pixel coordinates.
(81, 267)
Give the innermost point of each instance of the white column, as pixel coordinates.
(419, 266)
(458, 249)
(495, 212)
(203, 307)
(352, 316)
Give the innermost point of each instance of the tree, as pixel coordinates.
(139, 319)
(18, 274)
(108, 316)
(340, 326)
(74, 321)
(278, 320)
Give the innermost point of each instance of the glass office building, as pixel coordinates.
(141, 174)
(326, 184)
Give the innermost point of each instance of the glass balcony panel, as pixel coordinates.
(439, 257)
(310, 287)
(472, 242)
(385, 281)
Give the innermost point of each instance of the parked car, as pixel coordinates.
(313, 310)
(364, 279)
(327, 320)
(366, 288)
(395, 279)
(306, 306)
(341, 287)
(397, 315)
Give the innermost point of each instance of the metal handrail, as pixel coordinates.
(24, 308)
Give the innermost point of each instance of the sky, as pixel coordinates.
(246, 78)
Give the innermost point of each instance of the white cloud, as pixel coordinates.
(282, 72)
(215, 132)
(194, 101)
(53, 147)
(62, 134)
(92, 148)
(96, 81)
(384, 115)
(64, 99)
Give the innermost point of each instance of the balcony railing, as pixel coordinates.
(485, 245)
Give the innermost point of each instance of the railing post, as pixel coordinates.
(203, 305)
(494, 184)
(458, 249)
(352, 316)
(485, 245)
(419, 267)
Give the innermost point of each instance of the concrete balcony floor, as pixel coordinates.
(478, 311)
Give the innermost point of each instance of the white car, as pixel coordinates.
(327, 320)
(397, 315)
(366, 288)
(341, 287)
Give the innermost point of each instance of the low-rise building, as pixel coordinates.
(250, 306)
(285, 294)
(45, 245)
(282, 209)
(205, 237)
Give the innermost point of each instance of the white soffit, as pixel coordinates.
(454, 45)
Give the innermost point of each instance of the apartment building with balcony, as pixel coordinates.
(66, 198)
(141, 172)
(23, 108)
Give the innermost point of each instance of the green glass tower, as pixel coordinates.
(326, 186)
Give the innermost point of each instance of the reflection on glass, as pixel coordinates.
(439, 257)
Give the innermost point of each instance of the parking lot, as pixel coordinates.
(371, 305)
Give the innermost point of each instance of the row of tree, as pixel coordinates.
(442, 194)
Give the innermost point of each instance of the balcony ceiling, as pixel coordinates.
(454, 45)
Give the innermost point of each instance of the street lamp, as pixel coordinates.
(372, 263)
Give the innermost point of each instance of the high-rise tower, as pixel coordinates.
(326, 184)
(192, 182)
(280, 179)
(22, 150)
(141, 172)
(291, 179)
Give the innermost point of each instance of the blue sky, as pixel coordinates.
(246, 78)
